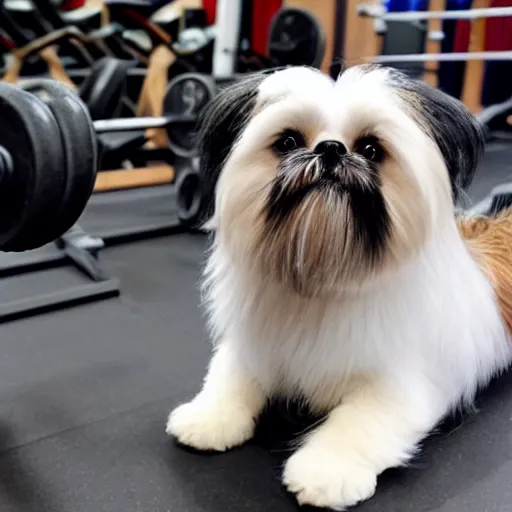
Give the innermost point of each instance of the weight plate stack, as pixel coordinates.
(30, 136)
(77, 140)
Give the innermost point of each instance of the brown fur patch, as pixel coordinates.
(490, 240)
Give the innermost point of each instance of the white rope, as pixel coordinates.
(379, 11)
(444, 57)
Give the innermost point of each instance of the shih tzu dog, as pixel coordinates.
(340, 275)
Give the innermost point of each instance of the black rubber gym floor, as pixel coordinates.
(85, 392)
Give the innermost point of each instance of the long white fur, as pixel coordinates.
(385, 360)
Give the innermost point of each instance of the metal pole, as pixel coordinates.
(130, 124)
(443, 57)
(378, 11)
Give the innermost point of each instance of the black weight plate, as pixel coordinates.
(296, 38)
(79, 146)
(188, 196)
(30, 134)
(187, 94)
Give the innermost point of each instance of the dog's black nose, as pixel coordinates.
(330, 149)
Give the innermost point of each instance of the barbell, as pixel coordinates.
(380, 12)
(186, 97)
(48, 164)
(49, 156)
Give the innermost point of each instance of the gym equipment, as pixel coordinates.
(47, 27)
(79, 158)
(400, 38)
(187, 181)
(443, 57)
(18, 36)
(135, 14)
(493, 118)
(186, 96)
(104, 90)
(194, 49)
(77, 246)
(191, 40)
(381, 15)
(379, 11)
(48, 162)
(106, 40)
(296, 38)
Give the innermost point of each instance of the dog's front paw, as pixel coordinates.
(205, 426)
(321, 478)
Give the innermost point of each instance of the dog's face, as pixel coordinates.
(323, 184)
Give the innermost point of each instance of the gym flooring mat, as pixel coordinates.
(85, 393)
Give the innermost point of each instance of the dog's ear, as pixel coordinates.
(222, 122)
(452, 126)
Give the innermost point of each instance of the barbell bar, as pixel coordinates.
(380, 12)
(443, 57)
(131, 124)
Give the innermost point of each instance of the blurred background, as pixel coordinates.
(140, 58)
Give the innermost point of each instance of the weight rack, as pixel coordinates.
(75, 247)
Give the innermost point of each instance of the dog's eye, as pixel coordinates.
(288, 141)
(369, 152)
(370, 149)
